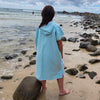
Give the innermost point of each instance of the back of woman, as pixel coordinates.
(49, 63)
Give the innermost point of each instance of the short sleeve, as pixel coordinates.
(36, 36)
(59, 33)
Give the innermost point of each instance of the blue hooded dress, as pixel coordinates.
(49, 63)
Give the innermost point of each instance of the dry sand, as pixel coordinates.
(80, 89)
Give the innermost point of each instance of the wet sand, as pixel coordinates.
(80, 89)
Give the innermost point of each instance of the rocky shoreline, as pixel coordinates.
(86, 43)
(79, 13)
(89, 42)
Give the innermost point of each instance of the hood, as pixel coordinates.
(47, 29)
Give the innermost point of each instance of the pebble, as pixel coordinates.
(72, 39)
(7, 76)
(19, 59)
(67, 53)
(76, 50)
(63, 38)
(9, 57)
(33, 62)
(34, 53)
(24, 52)
(98, 82)
(93, 61)
(26, 66)
(69, 82)
(1, 87)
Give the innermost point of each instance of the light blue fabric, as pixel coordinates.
(49, 63)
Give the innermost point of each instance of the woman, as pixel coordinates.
(49, 47)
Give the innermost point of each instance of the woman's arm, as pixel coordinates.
(60, 46)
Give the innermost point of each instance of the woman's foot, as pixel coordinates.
(64, 92)
(44, 89)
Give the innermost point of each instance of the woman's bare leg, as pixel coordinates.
(62, 91)
(44, 87)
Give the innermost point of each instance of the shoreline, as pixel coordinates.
(80, 88)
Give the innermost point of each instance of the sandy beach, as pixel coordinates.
(80, 88)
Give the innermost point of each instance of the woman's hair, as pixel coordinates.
(47, 15)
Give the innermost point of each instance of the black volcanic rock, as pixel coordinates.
(92, 74)
(33, 62)
(82, 67)
(72, 39)
(84, 44)
(63, 38)
(96, 53)
(7, 77)
(10, 57)
(93, 61)
(98, 82)
(24, 52)
(98, 30)
(72, 71)
(91, 48)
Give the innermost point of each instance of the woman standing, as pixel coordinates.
(49, 63)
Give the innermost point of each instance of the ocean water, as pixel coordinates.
(17, 28)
